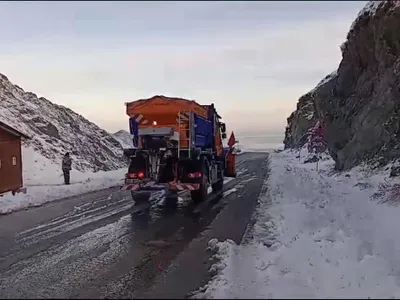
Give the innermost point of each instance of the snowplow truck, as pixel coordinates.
(177, 146)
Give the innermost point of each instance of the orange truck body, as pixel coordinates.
(161, 111)
(161, 159)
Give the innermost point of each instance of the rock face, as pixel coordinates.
(55, 129)
(303, 117)
(360, 103)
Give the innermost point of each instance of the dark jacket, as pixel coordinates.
(66, 163)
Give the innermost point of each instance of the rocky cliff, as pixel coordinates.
(360, 102)
(55, 129)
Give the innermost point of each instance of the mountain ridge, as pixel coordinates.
(56, 129)
(360, 105)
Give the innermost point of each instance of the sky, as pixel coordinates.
(253, 60)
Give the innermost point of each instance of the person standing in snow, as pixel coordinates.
(66, 167)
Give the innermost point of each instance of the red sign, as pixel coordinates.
(232, 140)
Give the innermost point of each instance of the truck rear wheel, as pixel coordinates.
(218, 186)
(171, 198)
(141, 197)
(201, 194)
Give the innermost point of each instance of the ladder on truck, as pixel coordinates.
(185, 121)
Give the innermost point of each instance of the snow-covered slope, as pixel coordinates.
(124, 138)
(317, 235)
(56, 129)
(44, 182)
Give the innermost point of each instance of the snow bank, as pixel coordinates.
(44, 181)
(317, 235)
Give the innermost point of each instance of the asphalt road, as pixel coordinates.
(100, 245)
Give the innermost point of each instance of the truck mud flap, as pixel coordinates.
(130, 187)
(177, 186)
(149, 186)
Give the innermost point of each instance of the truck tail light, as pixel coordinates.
(134, 175)
(195, 175)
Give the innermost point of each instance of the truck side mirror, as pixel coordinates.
(224, 135)
(223, 128)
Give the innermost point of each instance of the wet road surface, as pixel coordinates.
(100, 245)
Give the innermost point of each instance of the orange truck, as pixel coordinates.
(177, 146)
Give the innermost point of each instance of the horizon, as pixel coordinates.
(252, 59)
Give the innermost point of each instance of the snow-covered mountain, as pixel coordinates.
(124, 138)
(56, 129)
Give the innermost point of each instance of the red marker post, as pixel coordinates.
(230, 158)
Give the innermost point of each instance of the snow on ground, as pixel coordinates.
(44, 182)
(317, 235)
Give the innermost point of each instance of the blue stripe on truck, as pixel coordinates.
(203, 132)
(134, 127)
